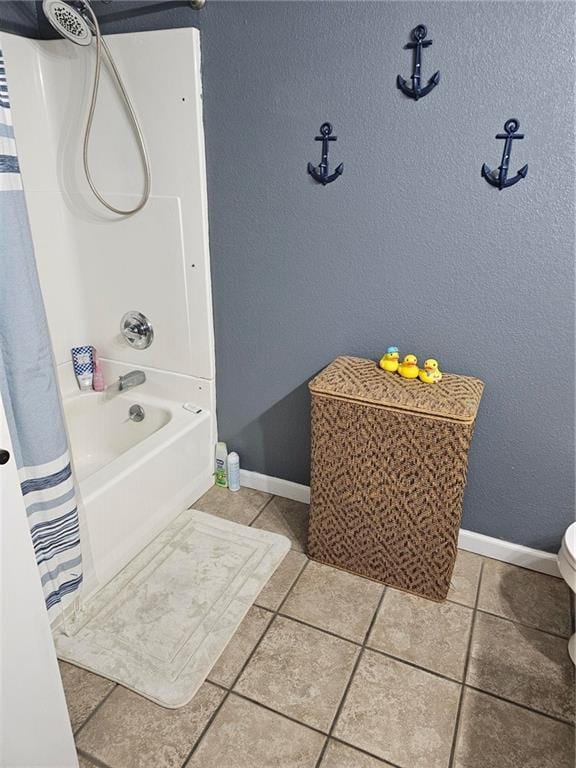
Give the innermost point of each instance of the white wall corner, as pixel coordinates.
(497, 549)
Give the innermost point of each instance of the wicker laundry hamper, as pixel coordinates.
(389, 461)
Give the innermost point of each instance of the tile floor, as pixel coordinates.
(330, 670)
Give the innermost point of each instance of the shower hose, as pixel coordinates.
(101, 44)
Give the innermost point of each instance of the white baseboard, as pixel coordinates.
(497, 549)
(275, 485)
(508, 552)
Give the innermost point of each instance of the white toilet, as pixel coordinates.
(567, 565)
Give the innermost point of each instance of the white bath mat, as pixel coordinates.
(160, 625)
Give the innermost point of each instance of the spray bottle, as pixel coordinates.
(233, 463)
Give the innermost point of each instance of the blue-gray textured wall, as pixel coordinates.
(411, 246)
(20, 17)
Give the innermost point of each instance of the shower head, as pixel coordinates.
(68, 20)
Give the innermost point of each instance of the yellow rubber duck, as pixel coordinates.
(430, 374)
(389, 362)
(408, 368)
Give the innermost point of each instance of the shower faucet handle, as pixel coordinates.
(136, 330)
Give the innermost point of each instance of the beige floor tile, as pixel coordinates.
(399, 713)
(525, 596)
(84, 691)
(287, 517)
(244, 735)
(299, 671)
(465, 577)
(241, 645)
(281, 581)
(431, 635)
(339, 755)
(495, 734)
(83, 762)
(241, 506)
(129, 731)
(521, 664)
(334, 600)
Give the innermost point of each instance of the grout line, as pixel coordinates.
(448, 600)
(216, 685)
(465, 670)
(244, 665)
(277, 712)
(365, 752)
(357, 643)
(556, 718)
(91, 715)
(340, 706)
(351, 678)
(292, 547)
(98, 763)
(283, 600)
(268, 501)
(412, 664)
(373, 620)
(206, 727)
(296, 580)
(522, 624)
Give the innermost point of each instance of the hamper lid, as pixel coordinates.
(355, 378)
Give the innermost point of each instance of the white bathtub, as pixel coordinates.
(133, 478)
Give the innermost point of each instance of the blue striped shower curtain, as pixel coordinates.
(29, 387)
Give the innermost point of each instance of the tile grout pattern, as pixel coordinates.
(466, 663)
(229, 690)
(329, 735)
(354, 669)
(217, 710)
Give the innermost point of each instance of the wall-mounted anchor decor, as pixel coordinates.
(499, 177)
(321, 172)
(416, 91)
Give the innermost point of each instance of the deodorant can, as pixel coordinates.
(233, 471)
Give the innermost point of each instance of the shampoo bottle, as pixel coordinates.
(83, 366)
(221, 471)
(98, 384)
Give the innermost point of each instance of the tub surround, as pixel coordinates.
(94, 266)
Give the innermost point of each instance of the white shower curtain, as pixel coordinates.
(29, 387)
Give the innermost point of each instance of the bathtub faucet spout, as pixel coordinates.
(132, 379)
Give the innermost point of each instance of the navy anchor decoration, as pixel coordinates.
(499, 176)
(417, 91)
(320, 173)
